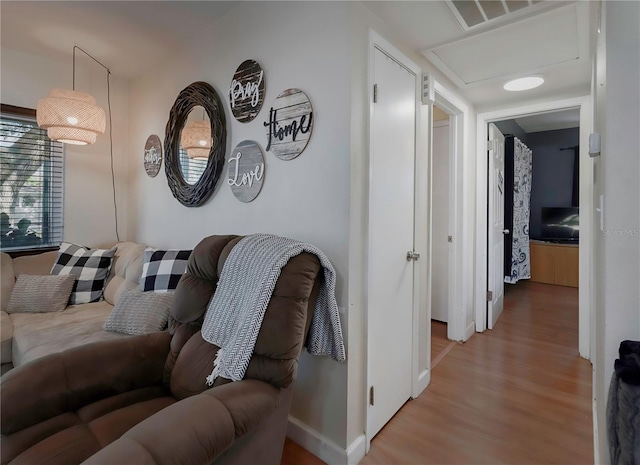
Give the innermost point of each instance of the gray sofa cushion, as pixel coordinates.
(38, 334)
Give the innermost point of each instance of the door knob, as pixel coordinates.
(505, 231)
(411, 255)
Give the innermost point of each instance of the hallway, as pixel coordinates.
(518, 394)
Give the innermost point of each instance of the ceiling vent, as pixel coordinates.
(472, 14)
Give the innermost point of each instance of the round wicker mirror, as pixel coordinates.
(202, 94)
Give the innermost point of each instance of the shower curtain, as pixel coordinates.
(517, 210)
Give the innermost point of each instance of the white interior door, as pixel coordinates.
(440, 209)
(391, 236)
(495, 266)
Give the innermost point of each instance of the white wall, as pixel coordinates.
(617, 172)
(298, 44)
(88, 200)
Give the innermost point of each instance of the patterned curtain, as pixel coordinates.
(520, 264)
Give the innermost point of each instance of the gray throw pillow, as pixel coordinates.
(40, 293)
(140, 312)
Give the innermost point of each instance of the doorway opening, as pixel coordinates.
(440, 232)
(542, 203)
(555, 249)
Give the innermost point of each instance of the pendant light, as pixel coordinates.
(196, 139)
(70, 116)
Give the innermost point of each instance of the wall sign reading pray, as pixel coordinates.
(152, 155)
(245, 174)
(290, 124)
(246, 93)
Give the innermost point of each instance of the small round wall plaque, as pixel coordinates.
(152, 155)
(290, 124)
(246, 93)
(245, 173)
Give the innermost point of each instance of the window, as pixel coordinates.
(192, 168)
(31, 182)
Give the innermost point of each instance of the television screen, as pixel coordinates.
(561, 224)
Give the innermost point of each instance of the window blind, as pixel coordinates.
(31, 183)
(192, 168)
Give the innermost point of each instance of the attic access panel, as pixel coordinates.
(472, 14)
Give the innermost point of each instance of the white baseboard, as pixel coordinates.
(469, 331)
(356, 450)
(322, 447)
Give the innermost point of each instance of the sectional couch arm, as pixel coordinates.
(6, 337)
(195, 430)
(65, 381)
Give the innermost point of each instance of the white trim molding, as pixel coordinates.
(322, 447)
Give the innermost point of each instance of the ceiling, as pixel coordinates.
(127, 36)
(564, 119)
(551, 38)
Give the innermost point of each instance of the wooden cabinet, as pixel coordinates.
(554, 263)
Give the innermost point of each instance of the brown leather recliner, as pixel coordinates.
(143, 400)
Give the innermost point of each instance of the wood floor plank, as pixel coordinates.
(518, 394)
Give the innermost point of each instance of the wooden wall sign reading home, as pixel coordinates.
(245, 174)
(246, 93)
(290, 124)
(152, 155)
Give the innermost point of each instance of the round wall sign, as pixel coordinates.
(246, 93)
(245, 173)
(290, 124)
(152, 155)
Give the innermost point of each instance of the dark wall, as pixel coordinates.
(509, 126)
(552, 171)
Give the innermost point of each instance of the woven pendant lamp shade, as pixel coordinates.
(70, 117)
(196, 139)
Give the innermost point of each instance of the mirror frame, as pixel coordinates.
(202, 94)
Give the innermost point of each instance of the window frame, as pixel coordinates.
(30, 113)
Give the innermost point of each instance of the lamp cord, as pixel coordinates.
(113, 175)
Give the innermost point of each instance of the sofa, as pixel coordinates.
(29, 336)
(144, 399)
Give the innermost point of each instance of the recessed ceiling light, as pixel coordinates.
(525, 83)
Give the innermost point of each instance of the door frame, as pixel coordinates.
(457, 329)
(420, 375)
(585, 344)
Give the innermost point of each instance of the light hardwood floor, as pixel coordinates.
(519, 394)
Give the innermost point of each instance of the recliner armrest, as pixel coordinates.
(197, 429)
(66, 381)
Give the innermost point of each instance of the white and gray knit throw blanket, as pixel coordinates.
(236, 311)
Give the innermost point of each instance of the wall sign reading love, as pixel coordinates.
(290, 124)
(246, 93)
(152, 155)
(245, 173)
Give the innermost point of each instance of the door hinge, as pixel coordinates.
(449, 238)
(489, 296)
(491, 145)
(371, 395)
(375, 93)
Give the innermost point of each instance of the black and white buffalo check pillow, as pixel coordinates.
(162, 269)
(89, 266)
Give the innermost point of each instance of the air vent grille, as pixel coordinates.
(474, 13)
